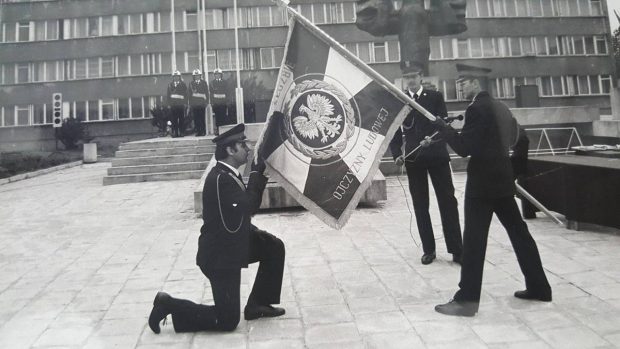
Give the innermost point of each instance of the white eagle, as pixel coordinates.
(319, 111)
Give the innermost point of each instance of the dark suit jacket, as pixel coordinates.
(434, 154)
(179, 89)
(227, 209)
(490, 131)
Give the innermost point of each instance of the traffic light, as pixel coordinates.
(57, 109)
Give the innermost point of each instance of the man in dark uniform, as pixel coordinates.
(431, 160)
(219, 99)
(490, 131)
(177, 101)
(228, 242)
(198, 91)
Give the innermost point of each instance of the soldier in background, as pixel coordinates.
(219, 89)
(177, 101)
(198, 90)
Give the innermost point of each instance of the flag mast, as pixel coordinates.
(354, 59)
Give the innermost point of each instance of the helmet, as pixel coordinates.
(176, 73)
(196, 72)
(217, 71)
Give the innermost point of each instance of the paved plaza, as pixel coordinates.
(80, 264)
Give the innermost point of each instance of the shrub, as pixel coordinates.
(72, 131)
(160, 117)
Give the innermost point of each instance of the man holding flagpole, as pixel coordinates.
(228, 242)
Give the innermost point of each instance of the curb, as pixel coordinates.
(37, 173)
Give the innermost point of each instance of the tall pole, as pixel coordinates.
(205, 69)
(199, 24)
(238, 90)
(174, 45)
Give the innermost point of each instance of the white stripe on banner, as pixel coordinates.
(360, 155)
(288, 162)
(345, 73)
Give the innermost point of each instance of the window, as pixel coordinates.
(23, 31)
(594, 85)
(38, 114)
(39, 72)
(566, 45)
(93, 26)
(435, 48)
(589, 45)
(363, 50)
(93, 110)
(488, 49)
(547, 8)
(521, 8)
(23, 72)
(107, 109)
(193, 60)
(10, 33)
(122, 25)
(501, 49)
(123, 65)
(191, 20)
(446, 48)
(515, 46)
(553, 45)
(448, 88)
(164, 21)
(80, 110)
(271, 57)
(107, 25)
(536, 8)
(151, 23)
(601, 45)
(579, 45)
(278, 16)
(606, 83)
(462, 48)
(22, 115)
(343, 12)
(483, 8)
(557, 85)
(135, 67)
(541, 46)
(123, 108)
(214, 18)
(545, 88)
(584, 88)
(107, 67)
(475, 47)
(596, 8)
(9, 116)
(80, 27)
(379, 51)
(93, 68)
(393, 51)
(135, 23)
(136, 107)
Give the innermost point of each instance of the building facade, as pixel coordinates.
(111, 59)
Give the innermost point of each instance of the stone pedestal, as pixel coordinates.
(614, 99)
(90, 153)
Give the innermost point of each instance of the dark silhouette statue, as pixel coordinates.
(414, 23)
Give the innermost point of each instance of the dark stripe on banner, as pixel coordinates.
(378, 108)
(332, 186)
(306, 53)
(272, 141)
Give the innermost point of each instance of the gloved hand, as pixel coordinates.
(399, 161)
(440, 123)
(426, 142)
(258, 165)
(272, 130)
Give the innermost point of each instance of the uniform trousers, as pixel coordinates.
(177, 118)
(220, 112)
(198, 112)
(224, 315)
(478, 214)
(448, 208)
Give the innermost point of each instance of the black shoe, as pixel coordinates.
(160, 310)
(252, 312)
(456, 258)
(456, 308)
(530, 295)
(428, 258)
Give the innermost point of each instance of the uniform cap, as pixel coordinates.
(466, 71)
(196, 72)
(176, 73)
(217, 71)
(235, 134)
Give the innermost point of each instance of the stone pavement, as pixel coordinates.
(80, 264)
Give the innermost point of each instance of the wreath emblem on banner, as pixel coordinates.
(319, 118)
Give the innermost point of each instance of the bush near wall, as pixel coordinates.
(14, 163)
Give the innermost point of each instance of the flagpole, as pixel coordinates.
(198, 31)
(205, 70)
(355, 60)
(172, 25)
(238, 90)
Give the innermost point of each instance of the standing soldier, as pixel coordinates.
(198, 90)
(177, 100)
(218, 99)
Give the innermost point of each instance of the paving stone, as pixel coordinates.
(572, 337)
(325, 314)
(332, 333)
(220, 340)
(394, 340)
(263, 329)
(382, 322)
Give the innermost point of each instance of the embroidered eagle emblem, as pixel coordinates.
(319, 119)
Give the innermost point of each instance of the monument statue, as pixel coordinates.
(414, 23)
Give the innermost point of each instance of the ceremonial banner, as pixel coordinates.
(338, 122)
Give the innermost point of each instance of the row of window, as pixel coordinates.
(93, 110)
(451, 48)
(533, 8)
(161, 63)
(185, 20)
(548, 86)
